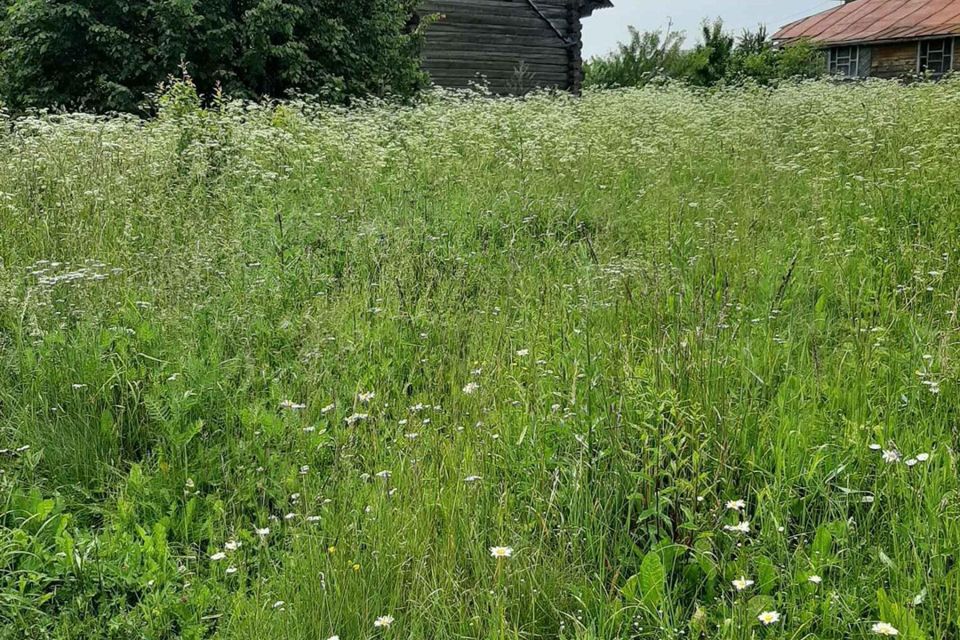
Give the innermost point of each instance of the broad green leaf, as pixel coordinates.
(652, 580)
(900, 617)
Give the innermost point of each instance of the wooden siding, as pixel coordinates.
(504, 41)
(894, 60)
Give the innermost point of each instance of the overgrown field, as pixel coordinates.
(280, 372)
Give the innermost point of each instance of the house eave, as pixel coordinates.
(587, 7)
(829, 44)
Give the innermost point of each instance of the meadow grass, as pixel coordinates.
(280, 371)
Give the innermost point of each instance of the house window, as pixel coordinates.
(936, 56)
(845, 61)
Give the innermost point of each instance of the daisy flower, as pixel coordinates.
(501, 552)
(769, 617)
(742, 583)
(884, 629)
(740, 527)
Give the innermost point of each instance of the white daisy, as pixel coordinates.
(740, 527)
(736, 505)
(884, 629)
(742, 583)
(769, 617)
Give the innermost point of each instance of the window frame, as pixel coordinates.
(947, 54)
(852, 63)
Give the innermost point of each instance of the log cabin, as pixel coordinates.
(511, 46)
(883, 38)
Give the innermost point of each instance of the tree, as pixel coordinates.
(647, 55)
(712, 56)
(103, 55)
(718, 58)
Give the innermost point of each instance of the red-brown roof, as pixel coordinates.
(875, 21)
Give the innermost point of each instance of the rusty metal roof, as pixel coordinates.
(877, 21)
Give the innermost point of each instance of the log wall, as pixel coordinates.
(504, 42)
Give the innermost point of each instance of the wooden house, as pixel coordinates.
(884, 38)
(512, 46)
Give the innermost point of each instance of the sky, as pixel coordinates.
(603, 30)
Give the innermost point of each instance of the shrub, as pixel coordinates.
(103, 55)
(647, 55)
(719, 57)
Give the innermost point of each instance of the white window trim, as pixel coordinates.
(953, 53)
(855, 55)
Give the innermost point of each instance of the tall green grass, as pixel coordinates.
(586, 325)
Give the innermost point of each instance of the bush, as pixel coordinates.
(103, 55)
(719, 57)
(647, 55)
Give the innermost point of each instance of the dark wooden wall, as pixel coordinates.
(893, 60)
(899, 59)
(506, 42)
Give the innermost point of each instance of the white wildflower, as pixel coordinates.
(884, 629)
(742, 583)
(769, 617)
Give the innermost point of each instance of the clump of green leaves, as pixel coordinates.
(717, 57)
(106, 55)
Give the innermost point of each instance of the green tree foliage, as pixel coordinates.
(105, 55)
(718, 57)
(713, 55)
(647, 55)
